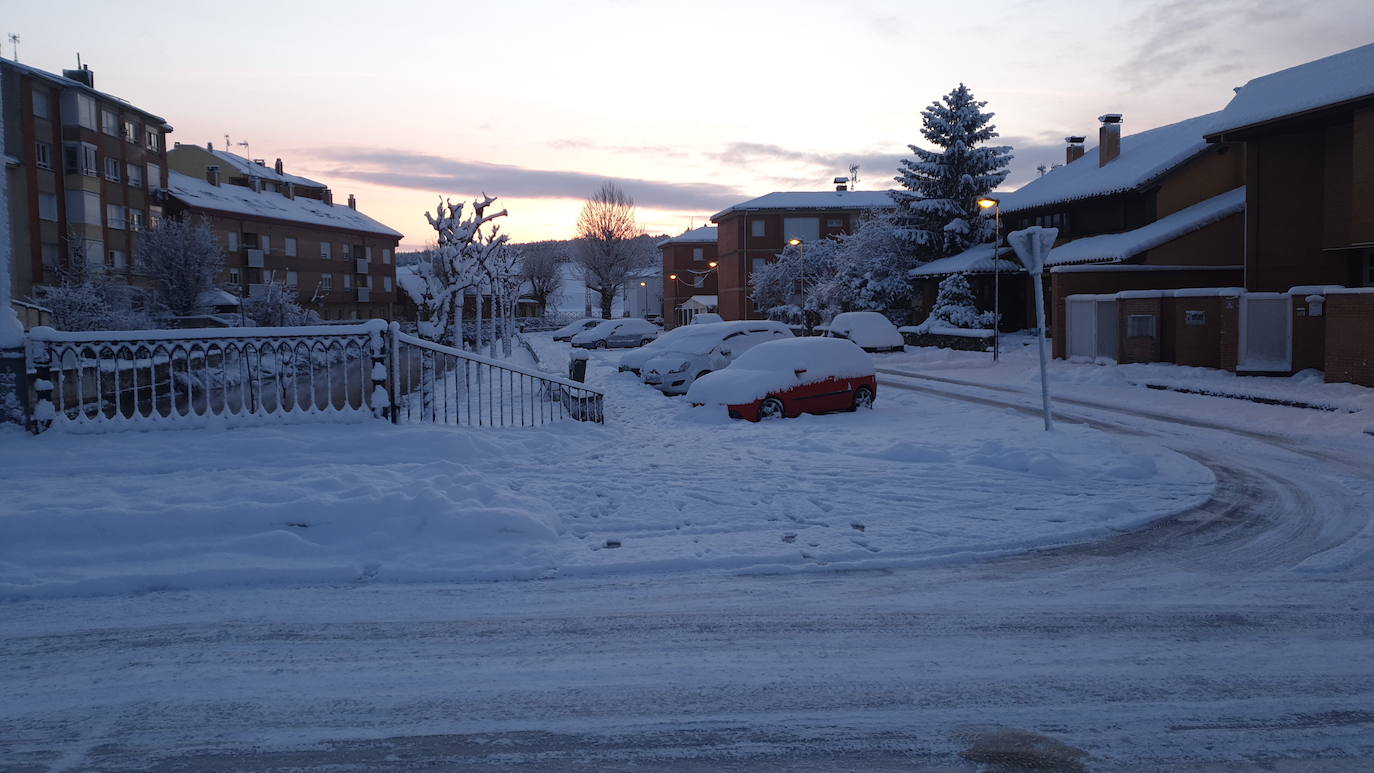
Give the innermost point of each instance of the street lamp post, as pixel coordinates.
(644, 306)
(996, 205)
(801, 248)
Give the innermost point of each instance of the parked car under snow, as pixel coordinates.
(791, 377)
(634, 361)
(868, 329)
(617, 333)
(705, 349)
(571, 329)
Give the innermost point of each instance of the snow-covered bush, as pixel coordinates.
(277, 307)
(955, 306)
(184, 261)
(90, 298)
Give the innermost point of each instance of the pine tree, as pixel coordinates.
(956, 307)
(940, 203)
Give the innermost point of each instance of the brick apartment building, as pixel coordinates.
(689, 275)
(87, 171)
(286, 229)
(753, 232)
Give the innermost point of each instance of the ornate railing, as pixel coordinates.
(443, 385)
(111, 380)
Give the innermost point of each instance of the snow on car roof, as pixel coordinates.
(866, 328)
(1320, 83)
(1144, 157)
(771, 367)
(691, 338)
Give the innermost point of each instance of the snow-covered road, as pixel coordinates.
(1229, 637)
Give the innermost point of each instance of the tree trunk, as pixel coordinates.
(607, 300)
(477, 339)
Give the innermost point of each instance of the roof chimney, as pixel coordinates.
(1075, 149)
(327, 197)
(1108, 138)
(212, 174)
(278, 167)
(352, 202)
(82, 74)
(210, 146)
(290, 190)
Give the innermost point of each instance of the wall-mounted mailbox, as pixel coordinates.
(1314, 305)
(1194, 317)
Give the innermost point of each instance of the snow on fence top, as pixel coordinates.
(817, 200)
(703, 235)
(91, 336)
(1114, 248)
(236, 199)
(1144, 157)
(1321, 83)
(975, 260)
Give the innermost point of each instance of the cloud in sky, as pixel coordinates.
(420, 171)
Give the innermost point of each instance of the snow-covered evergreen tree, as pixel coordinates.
(183, 259)
(875, 260)
(955, 306)
(939, 205)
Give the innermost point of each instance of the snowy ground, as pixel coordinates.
(1231, 636)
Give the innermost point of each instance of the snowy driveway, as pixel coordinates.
(1230, 636)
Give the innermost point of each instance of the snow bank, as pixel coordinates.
(772, 367)
(868, 329)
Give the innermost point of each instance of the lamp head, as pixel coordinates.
(672, 276)
(794, 242)
(987, 202)
(643, 284)
(712, 264)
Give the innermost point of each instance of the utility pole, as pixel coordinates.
(14, 41)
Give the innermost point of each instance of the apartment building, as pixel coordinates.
(689, 275)
(87, 172)
(285, 229)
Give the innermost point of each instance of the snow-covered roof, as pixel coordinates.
(703, 235)
(1145, 157)
(700, 302)
(976, 260)
(249, 168)
(240, 200)
(815, 200)
(411, 283)
(218, 297)
(62, 81)
(1114, 248)
(1338, 78)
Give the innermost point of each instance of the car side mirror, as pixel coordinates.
(799, 371)
(725, 352)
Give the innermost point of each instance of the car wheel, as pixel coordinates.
(863, 398)
(645, 341)
(771, 408)
(601, 344)
(704, 372)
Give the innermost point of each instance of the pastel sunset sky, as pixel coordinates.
(690, 106)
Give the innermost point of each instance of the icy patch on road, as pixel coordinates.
(661, 487)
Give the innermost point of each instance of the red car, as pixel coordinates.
(790, 377)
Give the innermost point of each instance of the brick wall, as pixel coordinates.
(1350, 338)
(1309, 337)
(1139, 348)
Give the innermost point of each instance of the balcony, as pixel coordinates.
(254, 258)
(364, 294)
(360, 266)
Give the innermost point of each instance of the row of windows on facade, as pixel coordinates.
(292, 279)
(806, 229)
(84, 158)
(253, 241)
(83, 207)
(80, 110)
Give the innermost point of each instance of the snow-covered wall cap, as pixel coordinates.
(1098, 268)
(1325, 82)
(820, 201)
(1114, 248)
(1144, 157)
(1127, 295)
(1313, 289)
(1210, 292)
(703, 235)
(1091, 297)
(1350, 291)
(197, 193)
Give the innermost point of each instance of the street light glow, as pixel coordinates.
(988, 202)
(794, 242)
(672, 276)
(712, 264)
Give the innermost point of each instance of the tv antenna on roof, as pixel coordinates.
(246, 151)
(14, 41)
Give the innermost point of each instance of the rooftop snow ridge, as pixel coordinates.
(703, 235)
(1321, 83)
(237, 199)
(815, 200)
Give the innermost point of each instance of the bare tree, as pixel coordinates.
(607, 249)
(541, 269)
(184, 261)
(456, 266)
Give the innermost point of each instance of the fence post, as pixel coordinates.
(377, 349)
(43, 413)
(393, 358)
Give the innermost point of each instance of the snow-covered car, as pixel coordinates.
(706, 318)
(617, 333)
(704, 349)
(634, 361)
(790, 377)
(869, 329)
(571, 329)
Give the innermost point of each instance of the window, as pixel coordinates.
(119, 258)
(267, 274)
(698, 253)
(79, 109)
(152, 138)
(348, 281)
(130, 133)
(368, 253)
(808, 229)
(40, 104)
(346, 250)
(112, 169)
(292, 279)
(834, 222)
(154, 176)
(365, 281)
(47, 207)
(265, 242)
(84, 207)
(756, 228)
(386, 256)
(1140, 326)
(80, 157)
(90, 160)
(109, 123)
(135, 176)
(327, 281)
(231, 241)
(234, 276)
(42, 155)
(92, 249)
(250, 241)
(136, 220)
(114, 216)
(290, 246)
(386, 283)
(324, 250)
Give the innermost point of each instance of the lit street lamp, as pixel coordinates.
(996, 205)
(644, 308)
(801, 248)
